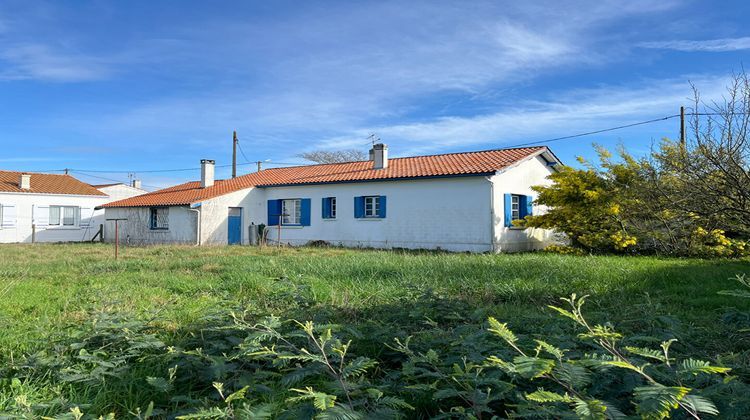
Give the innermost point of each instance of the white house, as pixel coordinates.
(52, 208)
(458, 202)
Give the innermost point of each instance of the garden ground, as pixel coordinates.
(48, 290)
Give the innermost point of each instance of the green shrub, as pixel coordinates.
(437, 361)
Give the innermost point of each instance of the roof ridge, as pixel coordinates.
(500, 149)
(474, 163)
(34, 173)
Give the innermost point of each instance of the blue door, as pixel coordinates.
(235, 226)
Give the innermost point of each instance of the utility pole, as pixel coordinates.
(234, 154)
(682, 128)
(260, 164)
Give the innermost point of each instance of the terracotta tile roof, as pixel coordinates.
(46, 184)
(453, 164)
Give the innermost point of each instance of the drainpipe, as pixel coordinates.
(492, 214)
(198, 223)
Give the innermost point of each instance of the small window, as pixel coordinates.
(329, 208)
(291, 211)
(159, 218)
(372, 206)
(64, 216)
(515, 208)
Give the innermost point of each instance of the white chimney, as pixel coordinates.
(136, 183)
(207, 173)
(379, 155)
(25, 182)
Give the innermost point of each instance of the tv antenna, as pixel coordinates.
(373, 138)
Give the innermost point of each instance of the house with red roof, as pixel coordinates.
(37, 207)
(457, 201)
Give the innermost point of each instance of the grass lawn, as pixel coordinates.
(46, 289)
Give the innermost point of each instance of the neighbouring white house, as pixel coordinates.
(53, 208)
(457, 202)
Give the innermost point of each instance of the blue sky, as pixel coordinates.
(144, 85)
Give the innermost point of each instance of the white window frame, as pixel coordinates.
(291, 211)
(373, 201)
(331, 208)
(515, 207)
(61, 217)
(153, 214)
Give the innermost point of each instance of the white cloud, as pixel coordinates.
(42, 62)
(711, 45)
(575, 111)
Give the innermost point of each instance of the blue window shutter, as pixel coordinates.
(529, 206)
(305, 212)
(359, 207)
(274, 212)
(326, 208)
(382, 207)
(508, 210)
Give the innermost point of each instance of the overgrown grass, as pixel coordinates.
(46, 290)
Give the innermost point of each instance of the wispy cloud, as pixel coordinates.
(43, 62)
(709, 45)
(572, 111)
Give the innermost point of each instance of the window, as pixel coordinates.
(159, 219)
(369, 207)
(372, 206)
(64, 216)
(515, 209)
(291, 211)
(329, 207)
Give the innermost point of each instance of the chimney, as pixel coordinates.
(379, 156)
(207, 173)
(136, 183)
(25, 182)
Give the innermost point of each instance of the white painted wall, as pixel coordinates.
(214, 212)
(26, 207)
(519, 180)
(120, 192)
(447, 213)
(136, 230)
(27, 213)
(455, 214)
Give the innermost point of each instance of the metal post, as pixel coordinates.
(117, 234)
(33, 233)
(117, 237)
(278, 239)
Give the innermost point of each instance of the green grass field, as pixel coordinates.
(45, 290)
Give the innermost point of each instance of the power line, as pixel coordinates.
(242, 151)
(249, 162)
(572, 136)
(111, 179)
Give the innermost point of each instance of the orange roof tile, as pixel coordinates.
(46, 184)
(453, 164)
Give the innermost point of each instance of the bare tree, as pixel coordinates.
(712, 170)
(334, 156)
